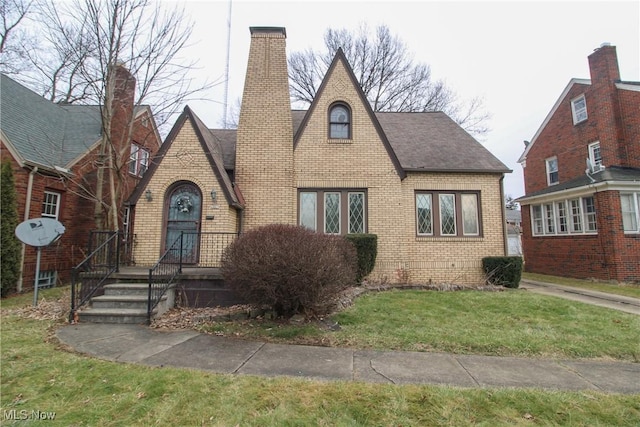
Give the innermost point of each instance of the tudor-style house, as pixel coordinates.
(429, 191)
(53, 149)
(581, 210)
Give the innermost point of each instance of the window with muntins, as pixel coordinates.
(579, 109)
(333, 211)
(572, 216)
(630, 205)
(594, 154)
(51, 205)
(447, 214)
(339, 122)
(552, 170)
(138, 160)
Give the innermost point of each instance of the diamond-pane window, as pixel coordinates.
(308, 209)
(423, 207)
(447, 215)
(332, 213)
(356, 212)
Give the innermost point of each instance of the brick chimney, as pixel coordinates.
(264, 148)
(122, 105)
(603, 106)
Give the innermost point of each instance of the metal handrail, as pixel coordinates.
(163, 274)
(95, 269)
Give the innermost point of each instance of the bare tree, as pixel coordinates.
(388, 76)
(85, 43)
(13, 36)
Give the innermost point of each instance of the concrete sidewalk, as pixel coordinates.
(190, 349)
(601, 299)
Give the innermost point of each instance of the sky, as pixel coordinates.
(518, 56)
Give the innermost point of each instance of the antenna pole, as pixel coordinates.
(226, 71)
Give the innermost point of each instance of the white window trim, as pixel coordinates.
(575, 112)
(557, 171)
(57, 204)
(636, 206)
(592, 156)
(139, 156)
(569, 218)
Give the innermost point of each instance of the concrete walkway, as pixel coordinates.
(190, 349)
(601, 299)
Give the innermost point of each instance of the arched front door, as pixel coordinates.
(183, 209)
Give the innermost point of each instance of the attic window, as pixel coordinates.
(579, 109)
(339, 122)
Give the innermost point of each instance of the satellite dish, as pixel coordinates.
(39, 232)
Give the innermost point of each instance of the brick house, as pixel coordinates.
(429, 191)
(53, 149)
(581, 210)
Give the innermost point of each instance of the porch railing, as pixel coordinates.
(90, 276)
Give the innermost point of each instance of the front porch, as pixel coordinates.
(108, 287)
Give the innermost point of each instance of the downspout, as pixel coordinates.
(27, 208)
(505, 237)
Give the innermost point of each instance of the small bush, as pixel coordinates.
(367, 249)
(503, 270)
(289, 268)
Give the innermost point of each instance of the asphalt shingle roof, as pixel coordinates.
(43, 132)
(421, 141)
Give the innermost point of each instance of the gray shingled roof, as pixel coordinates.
(611, 173)
(421, 141)
(43, 132)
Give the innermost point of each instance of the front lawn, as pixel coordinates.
(38, 375)
(510, 323)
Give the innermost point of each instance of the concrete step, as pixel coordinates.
(127, 289)
(113, 315)
(121, 301)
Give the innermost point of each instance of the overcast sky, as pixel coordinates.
(519, 56)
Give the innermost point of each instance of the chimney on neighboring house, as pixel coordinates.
(264, 147)
(603, 106)
(122, 104)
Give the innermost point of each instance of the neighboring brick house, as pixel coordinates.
(429, 191)
(581, 210)
(53, 149)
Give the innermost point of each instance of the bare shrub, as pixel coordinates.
(289, 268)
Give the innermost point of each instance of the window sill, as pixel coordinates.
(340, 141)
(449, 238)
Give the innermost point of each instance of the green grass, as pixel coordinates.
(511, 323)
(626, 289)
(36, 374)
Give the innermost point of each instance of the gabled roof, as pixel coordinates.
(44, 133)
(339, 57)
(559, 101)
(433, 142)
(422, 142)
(211, 148)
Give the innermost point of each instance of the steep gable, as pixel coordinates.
(340, 84)
(211, 148)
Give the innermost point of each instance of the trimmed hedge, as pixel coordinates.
(503, 270)
(367, 249)
(289, 268)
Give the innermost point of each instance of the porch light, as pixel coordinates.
(148, 196)
(214, 196)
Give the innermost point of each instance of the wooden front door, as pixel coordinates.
(184, 210)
